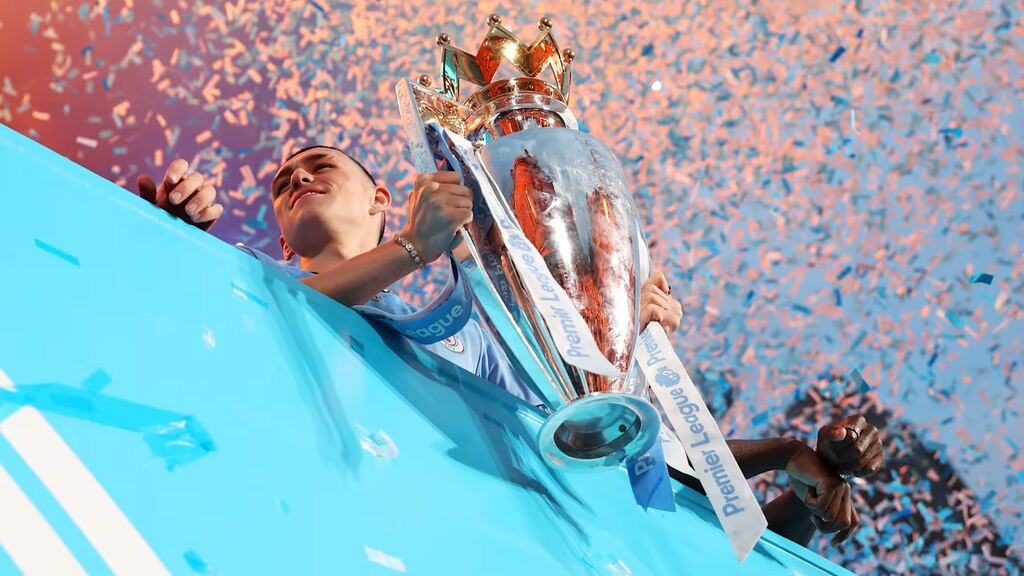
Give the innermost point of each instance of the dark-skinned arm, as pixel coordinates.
(786, 515)
(756, 457)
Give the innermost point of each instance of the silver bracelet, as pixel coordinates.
(411, 250)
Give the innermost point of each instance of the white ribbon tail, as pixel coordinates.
(714, 465)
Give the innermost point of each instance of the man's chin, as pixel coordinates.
(304, 222)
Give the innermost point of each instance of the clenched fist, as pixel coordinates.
(851, 446)
(438, 207)
(824, 493)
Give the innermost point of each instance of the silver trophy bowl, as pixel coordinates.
(568, 194)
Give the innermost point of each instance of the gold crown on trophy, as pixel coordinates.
(470, 116)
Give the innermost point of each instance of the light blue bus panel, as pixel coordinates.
(169, 405)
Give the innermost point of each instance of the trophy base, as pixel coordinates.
(599, 430)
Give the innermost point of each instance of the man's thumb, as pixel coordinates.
(147, 188)
(835, 433)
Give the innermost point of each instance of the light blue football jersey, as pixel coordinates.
(472, 348)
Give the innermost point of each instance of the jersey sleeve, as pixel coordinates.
(286, 269)
(496, 368)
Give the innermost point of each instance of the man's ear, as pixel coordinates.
(381, 200)
(286, 250)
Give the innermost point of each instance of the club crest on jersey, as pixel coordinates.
(454, 343)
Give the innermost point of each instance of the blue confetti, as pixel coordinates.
(859, 379)
(197, 564)
(954, 319)
(57, 252)
(761, 419)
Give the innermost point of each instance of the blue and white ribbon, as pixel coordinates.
(442, 318)
(648, 476)
(714, 465)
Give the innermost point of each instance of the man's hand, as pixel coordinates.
(184, 195)
(851, 446)
(438, 206)
(824, 493)
(657, 304)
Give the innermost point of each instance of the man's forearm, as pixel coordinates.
(357, 280)
(753, 456)
(788, 517)
(760, 456)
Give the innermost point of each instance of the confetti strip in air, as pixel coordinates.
(835, 193)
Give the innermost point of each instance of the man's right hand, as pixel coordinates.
(438, 206)
(824, 493)
(184, 195)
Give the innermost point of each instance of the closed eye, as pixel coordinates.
(279, 189)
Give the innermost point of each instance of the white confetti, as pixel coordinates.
(208, 338)
(378, 557)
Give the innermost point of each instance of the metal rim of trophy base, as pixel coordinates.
(633, 431)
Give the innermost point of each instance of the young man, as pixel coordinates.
(331, 212)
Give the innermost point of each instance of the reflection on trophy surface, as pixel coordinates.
(569, 197)
(597, 277)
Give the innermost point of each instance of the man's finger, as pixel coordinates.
(845, 510)
(657, 315)
(455, 190)
(203, 198)
(841, 518)
(662, 315)
(462, 216)
(147, 188)
(835, 504)
(446, 177)
(205, 219)
(462, 203)
(176, 170)
(813, 502)
(872, 462)
(662, 299)
(661, 281)
(854, 452)
(856, 423)
(844, 534)
(867, 437)
(827, 527)
(186, 188)
(836, 434)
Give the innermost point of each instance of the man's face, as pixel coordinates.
(320, 195)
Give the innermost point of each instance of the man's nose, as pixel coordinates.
(300, 176)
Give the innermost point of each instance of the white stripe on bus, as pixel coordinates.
(28, 538)
(83, 498)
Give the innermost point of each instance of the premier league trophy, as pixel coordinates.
(564, 301)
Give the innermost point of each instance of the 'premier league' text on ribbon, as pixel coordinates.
(691, 415)
(571, 336)
(715, 466)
